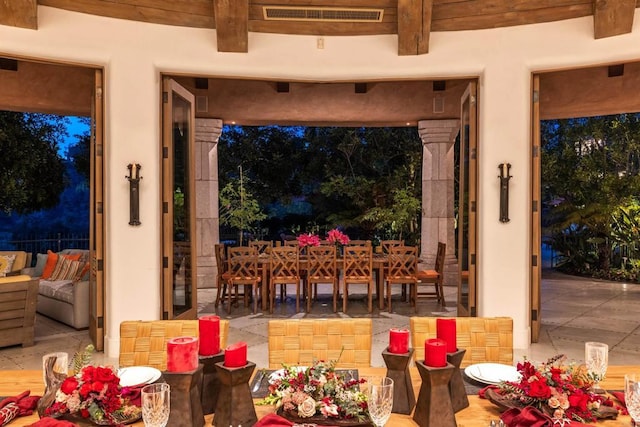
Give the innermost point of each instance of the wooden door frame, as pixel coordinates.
(536, 212)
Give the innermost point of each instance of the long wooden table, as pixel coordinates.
(479, 413)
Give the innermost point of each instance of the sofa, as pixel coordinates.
(18, 296)
(15, 260)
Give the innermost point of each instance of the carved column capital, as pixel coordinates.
(438, 131)
(208, 130)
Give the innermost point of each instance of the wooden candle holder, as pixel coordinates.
(235, 404)
(433, 408)
(459, 399)
(404, 398)
(210, 382)
(186, 404)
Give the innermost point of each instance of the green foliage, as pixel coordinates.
(239, 208)
(31, 171)
(82, 358)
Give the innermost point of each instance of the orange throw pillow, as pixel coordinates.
(52, 260)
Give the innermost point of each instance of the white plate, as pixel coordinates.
(137, 375)
(492, 373)
(280, 372)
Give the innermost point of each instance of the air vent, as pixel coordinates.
(324, 14)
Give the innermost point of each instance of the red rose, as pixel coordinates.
(69, 385)
(540, 390)
(579, 401)
(84, 413)
(104, 374)
(97, 386)
(88, 373)
(85, 390)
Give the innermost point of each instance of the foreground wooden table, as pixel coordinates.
(478, 414)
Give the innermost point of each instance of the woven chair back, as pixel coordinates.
(243, 265)
(300, 342)
(358, 264)
(321, 264)
(485, 339)
(144, 343)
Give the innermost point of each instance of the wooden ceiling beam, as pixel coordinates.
(414, 26)
(612, 18)
(232, 25)
(19, 13)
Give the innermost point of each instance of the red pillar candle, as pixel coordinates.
(446, 330)
(235, 355)
(435, 353)
(182, 354)
(398, 341)
(209, 330)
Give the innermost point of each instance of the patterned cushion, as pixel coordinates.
(66, 269)
(6, 262)
(61, 290)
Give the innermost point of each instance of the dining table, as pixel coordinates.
(479, 413)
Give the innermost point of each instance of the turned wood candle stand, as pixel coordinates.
(433, 408)
(186, 405)
(404, 398)
(210, 382)
(459, 398)
(235, 404)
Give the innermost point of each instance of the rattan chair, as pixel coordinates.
(284, 269)
(485, 339)
(401, 270)
(300, 342)
(358, 270)
(435, 277)
(321, 268)
(144, 343)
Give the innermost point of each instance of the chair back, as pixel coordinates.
(485, 339)
(144, 343)
(262, 246)
(243, 265)
(284, 264)
(388, 244)
(439, 266)
(221, 258)
(321, 264)
(300, 342)
(358, 263)
(359, 243)
(403, 261)
(291, 243)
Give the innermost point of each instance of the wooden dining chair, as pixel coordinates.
(244, 271)
(401, 270)
(321, 268)
(221, 263)
(262, 246)
(359, 243)
(386, 245)
(144, 342)
(284, 269)
(435, 277)
(358, 270)
(485, 339)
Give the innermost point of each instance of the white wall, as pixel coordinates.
(134, 55)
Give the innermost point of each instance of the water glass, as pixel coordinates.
(596, 357)
(632, 396)
(380, 399)
(156, 404)
(61, 365)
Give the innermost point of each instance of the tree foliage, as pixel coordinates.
(238, 207)
(31, 170)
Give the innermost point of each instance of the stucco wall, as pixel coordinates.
(134, 55)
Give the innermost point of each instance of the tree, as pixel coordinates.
(31, 170)
(238, 207)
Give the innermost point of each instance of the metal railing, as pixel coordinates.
(41, 242)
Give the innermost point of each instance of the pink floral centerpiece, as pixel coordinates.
(336, 236)
(309, 239)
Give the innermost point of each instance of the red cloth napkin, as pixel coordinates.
(273, 420)
(482, 392)
(17, 406)
(52, 422)
(530, 417)
(620, 396)
(134, 394)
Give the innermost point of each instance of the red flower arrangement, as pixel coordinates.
(337, 237)
(94, 393)
(563, 392)
(308, 240)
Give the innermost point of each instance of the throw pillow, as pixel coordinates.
(6, 262)
(66, 269)
(83, 274)
(52, 260)
(40, 263)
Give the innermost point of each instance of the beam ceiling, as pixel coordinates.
(19, 13)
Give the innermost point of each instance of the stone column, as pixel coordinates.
(207, 213)
(438, 220)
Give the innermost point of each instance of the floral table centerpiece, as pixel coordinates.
(561, 392)
(318, 394)
(337, 237)
(308, 239)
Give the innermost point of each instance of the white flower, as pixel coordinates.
(307, 408)
(329, 410)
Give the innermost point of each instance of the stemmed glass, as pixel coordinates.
(155, 404)
(596, 357)
(632, 396)
(380, 399)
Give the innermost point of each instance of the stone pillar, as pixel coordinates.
(438, 219)
(207, 213)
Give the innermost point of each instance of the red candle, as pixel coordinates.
(398, 341)
(235, 355)
(446, 330)
(209, 330)
(182, 354)
(435, 353)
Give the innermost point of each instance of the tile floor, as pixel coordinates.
(574, 310)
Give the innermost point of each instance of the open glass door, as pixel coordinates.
(179, 287)
(467, 204)
(96, 219)
(536, 213)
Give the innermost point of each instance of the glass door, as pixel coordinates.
(467, 203)
(179, 287)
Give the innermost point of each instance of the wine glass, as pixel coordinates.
(380, 400)
(632, 396)
(596, 357)
(155, 404)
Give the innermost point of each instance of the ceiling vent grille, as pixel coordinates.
(323, 14)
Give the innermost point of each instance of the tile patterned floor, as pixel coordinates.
(574, 310)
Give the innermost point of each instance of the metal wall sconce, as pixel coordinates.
(504, 176)
(134, 193)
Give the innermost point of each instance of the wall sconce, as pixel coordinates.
(504, 176)
(134, 193)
